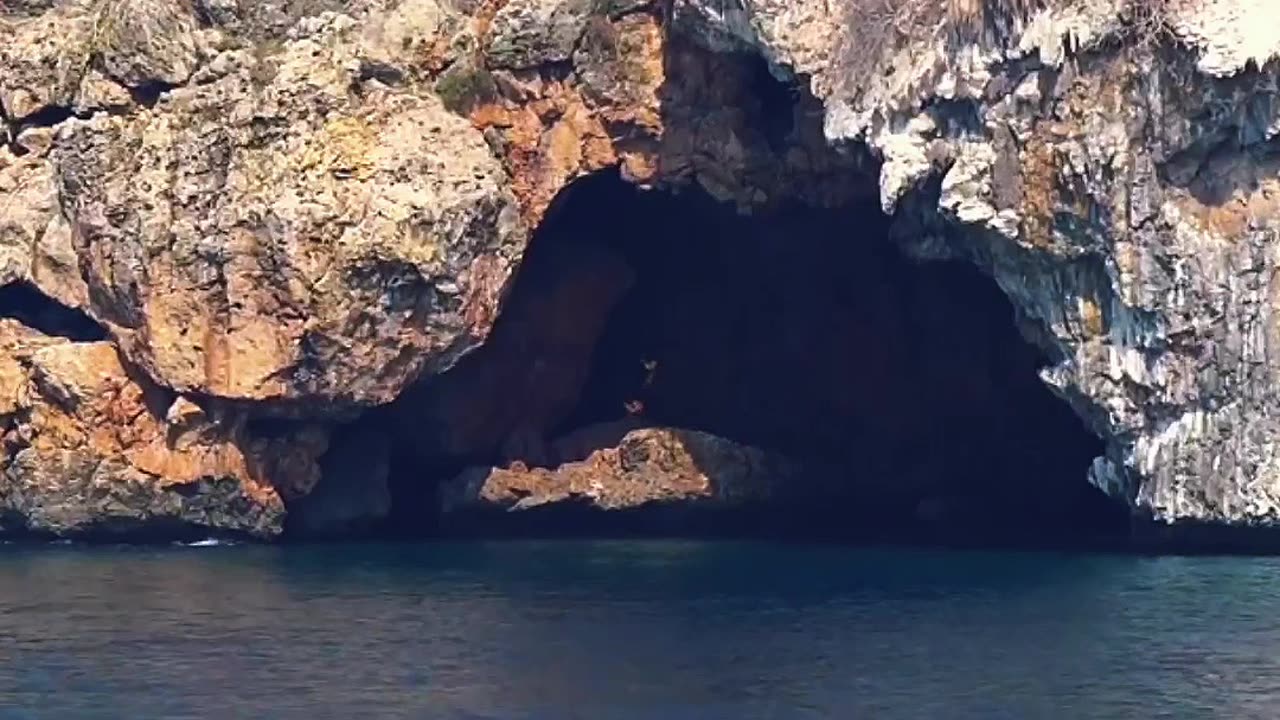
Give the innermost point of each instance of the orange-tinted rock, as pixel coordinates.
(555, 128)
(648, 466)
(89, 449)
(288, 227)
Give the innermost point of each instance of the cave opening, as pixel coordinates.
(803, 332)
(21, 301)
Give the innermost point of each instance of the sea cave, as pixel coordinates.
(903, 387)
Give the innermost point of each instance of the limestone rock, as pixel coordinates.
(528, 33)
(54, 58)
(285, 230)
(35, 239)
(651, 466)
(749, 138)
(89, 450)
(551, 127)
(1123, 199)
(566, 88)
(298, 209)
(22, 8)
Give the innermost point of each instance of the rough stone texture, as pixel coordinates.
(300, 207)
(35, 238)
(603, 84)
(266, 204)
(647, 467)
(84, 55)
(87, 449)
(1121, 192)
(551, 125)
(748, 138)
(281, 230)
(528, 33)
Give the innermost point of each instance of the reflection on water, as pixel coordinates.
(632, 630)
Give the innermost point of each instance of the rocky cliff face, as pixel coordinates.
(1113, 166)
(291, 226)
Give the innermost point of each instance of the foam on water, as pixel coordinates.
(207, 542)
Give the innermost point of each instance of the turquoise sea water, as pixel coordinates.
(623, 630)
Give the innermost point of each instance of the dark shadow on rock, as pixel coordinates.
(352, 497)
(26, 304)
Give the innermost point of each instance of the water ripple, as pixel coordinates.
(621, 630)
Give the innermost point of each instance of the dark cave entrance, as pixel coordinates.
(801, 331)
(23, 302)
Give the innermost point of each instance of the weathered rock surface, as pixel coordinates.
(88, 449)
(1123, 198)
(649, 466)
(279, 230)
(84, 55)
(301, 208)
(265, 204)
(35, 238)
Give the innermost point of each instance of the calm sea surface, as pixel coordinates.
(605, 630)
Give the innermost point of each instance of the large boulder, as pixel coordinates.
(646, 467)
(273, 218)
(281, 229)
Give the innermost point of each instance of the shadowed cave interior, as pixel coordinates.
(803, 332)
(22, 302)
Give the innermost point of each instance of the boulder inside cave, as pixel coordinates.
(905, 387)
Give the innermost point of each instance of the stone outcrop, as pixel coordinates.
(283, 214)
(266, 207)
(90, 449)
(647, 466)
